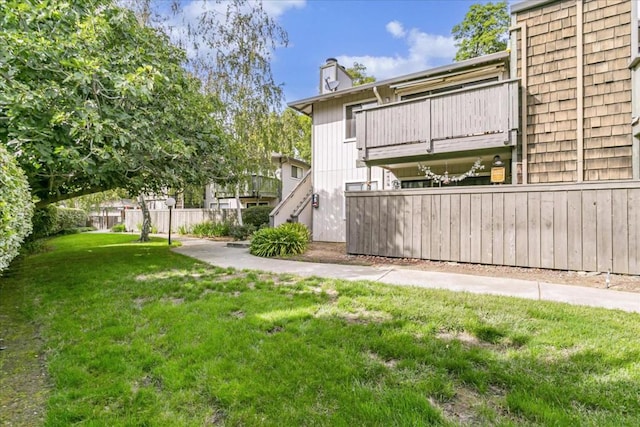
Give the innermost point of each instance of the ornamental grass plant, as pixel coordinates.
(285, 239)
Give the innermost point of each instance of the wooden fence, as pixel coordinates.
(179, 217)
(580, 227)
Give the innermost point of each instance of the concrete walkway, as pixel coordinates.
(217, 253)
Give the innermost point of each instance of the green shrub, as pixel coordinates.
(184, 229)
(241, 232)
(77, 230)
(119, 228)
(211, 229)
(258, 216)
(68, 218)
(286, 239)
(45, 221)
(16, 208)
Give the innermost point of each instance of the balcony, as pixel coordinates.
(474, 118)
(259, 187)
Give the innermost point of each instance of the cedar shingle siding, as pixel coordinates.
(552, 90)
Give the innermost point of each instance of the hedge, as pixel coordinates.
(16, 208)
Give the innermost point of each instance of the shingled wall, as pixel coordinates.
(552, 70)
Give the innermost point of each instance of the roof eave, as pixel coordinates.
(304, 105)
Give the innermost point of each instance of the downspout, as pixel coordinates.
(580, 92)
(523, 102)
(378, 97)
(380, 102)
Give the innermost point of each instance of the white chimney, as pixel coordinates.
(333, 77)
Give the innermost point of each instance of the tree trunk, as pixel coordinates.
(238, 206)
(146, 220)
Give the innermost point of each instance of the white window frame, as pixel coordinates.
(364, 103)
(299, 174)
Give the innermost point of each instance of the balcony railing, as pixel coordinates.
(259, 187)
(478, 117)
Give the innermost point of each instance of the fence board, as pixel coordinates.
(368, 205)
(547, 248)
(497, 228)
(445, 227)
(587, 226)
(408, 227)
(384, 225)
(476, 228)
(533, 233)
(509, 229)
(574, 230)
(522, 229)
(634, 230)
(560, 248)
(455, 227)
(589, 234)
(416, 249)
(425, 228)
(487, 229)
(620, 232)
(391, 229)
(399, 244)
(376, 224)
(435, 227)
(604, 246)
(465, 227)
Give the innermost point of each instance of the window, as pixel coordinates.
(360, 186)
(296, 172)
(350, 117)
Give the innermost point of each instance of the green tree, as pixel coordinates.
(231, 44)
(484, 30)
(16, 208)
(290, 133)
(358, 73)
(90, 100)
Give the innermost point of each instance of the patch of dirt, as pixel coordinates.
(24, 383)
(336, 253)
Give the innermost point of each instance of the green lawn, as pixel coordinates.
(134, 334)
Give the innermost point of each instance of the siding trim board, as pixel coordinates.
(590, 226)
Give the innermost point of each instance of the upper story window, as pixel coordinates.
(350, 117)
(296, 172)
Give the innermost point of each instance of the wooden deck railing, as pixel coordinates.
(482, 116)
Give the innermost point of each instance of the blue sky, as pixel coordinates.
(390, 37)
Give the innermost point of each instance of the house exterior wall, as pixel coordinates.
(288, 181)
(334, 165)
(553, 99)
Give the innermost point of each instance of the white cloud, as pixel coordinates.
(276, 8)
(396, 29)
(424, 51)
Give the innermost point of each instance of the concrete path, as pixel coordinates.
(217, 253)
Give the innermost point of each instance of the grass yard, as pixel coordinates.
(133, 334)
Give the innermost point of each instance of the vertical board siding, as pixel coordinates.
(547, 248)
(455, 228)
(509, 229)
(620, 251)
(596, 228)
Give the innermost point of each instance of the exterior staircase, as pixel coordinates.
(296, 206)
